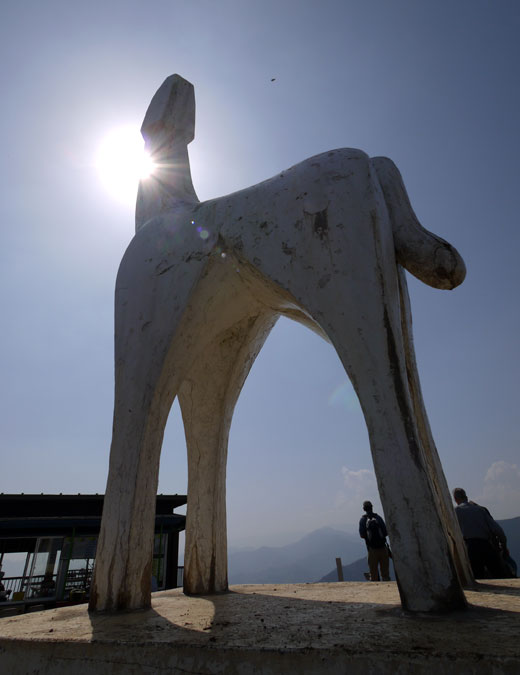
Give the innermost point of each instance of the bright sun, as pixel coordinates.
(121, 161)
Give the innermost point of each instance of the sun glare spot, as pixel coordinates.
(121, 161)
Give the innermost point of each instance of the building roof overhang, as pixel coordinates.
(24, 518)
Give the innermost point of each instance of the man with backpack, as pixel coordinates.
(372, 529)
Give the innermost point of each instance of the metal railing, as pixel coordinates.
(17, 585)
(76, 580)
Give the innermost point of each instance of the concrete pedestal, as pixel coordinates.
(354, 628)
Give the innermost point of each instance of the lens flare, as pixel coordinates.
(121, 161)
(344, 396)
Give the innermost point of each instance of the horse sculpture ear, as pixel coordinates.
(170, 117)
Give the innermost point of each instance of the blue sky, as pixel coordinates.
(433, 85)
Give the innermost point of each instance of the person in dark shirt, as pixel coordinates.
(372, 529)
(4, 595)
(483, 537)
(47, 586)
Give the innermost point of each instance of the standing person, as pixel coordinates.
(372, 529)
(480, 533)
(4, 595)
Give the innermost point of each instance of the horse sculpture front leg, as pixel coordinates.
(151, 360)
(207, 398)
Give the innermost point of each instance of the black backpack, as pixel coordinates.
(375, 536)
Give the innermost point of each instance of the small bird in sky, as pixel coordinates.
(273, 79)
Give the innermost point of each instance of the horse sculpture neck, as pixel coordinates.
(168, 128)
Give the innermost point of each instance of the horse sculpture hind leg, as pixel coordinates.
(436, 263)
(342, 273)
(316, 243)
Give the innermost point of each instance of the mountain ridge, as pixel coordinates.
(312, 557)
(304, 560)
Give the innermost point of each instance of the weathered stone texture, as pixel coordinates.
(198, 290)
(315, 629)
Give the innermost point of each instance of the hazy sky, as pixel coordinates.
(433, 85)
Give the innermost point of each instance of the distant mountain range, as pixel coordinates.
(355, 571)
(313, 558)
(306, 560)
(511, 527)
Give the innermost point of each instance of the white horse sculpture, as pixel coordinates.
(198, 291)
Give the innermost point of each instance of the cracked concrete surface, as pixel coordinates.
(268, 629)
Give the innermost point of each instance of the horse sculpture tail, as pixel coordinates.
(423, 254)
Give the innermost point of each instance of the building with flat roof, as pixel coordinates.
(58, 535)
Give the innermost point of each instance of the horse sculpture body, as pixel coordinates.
(198, 291)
